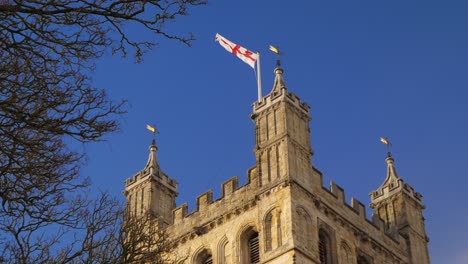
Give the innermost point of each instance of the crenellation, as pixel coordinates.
(205, 202)
(268, 101)
(252, 177)
(271, 99)
(230, 186)
(378, 222)
(179, 213)
(336, 190)
(132, 179)
(358, 229)
(359, 207)
(198, 223)
(296, 101)
(388, 190)
(355, 206)
(165, 180)
(161, 177)
(204, 199)
(418, 196)
(408, 188)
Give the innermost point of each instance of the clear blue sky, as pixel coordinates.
(367, 68)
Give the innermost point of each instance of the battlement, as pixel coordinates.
(161, 177)
(356, 206)
(205, 202)
(237, 199)
(396, 186)
(282, 95)
(337, 198)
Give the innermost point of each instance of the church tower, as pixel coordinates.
(400, 207)
(151, 191)
(283, 214)
(282, 143)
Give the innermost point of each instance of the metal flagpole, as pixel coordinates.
(259, 79)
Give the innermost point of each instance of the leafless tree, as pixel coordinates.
(144, 240)
(48, 103)
(97, 233)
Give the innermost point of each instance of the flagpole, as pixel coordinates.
(259, 79)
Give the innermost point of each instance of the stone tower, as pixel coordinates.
(151, 191)
(401, 207)
(284, 214)
(283, 149)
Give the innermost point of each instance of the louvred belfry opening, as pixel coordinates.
(208, 260)
(323, 248)
(322, 252)
(254, 250)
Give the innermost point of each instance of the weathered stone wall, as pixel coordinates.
(218, 225)
(351, 231)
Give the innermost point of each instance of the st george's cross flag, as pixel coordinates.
(242, 53)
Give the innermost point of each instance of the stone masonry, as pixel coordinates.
(284, 214)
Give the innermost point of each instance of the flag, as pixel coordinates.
(242, 53)
(385, 141)
(150, 128)
(275, 49)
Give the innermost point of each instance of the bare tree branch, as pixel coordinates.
(47, 101)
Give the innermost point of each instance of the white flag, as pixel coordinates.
(242, 53)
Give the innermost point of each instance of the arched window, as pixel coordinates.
(324, 247)
(249, 246)
(203, 257)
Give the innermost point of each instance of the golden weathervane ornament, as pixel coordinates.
(278, 52)
(387, 142)
(153, 130)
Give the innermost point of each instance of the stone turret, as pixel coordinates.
(151, 191)
(282, 135)
(400, 206)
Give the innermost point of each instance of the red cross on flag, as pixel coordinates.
(242, 53)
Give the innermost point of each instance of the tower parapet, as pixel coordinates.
(161, 177)
(393, 184)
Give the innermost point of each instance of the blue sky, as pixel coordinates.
(367, 68)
